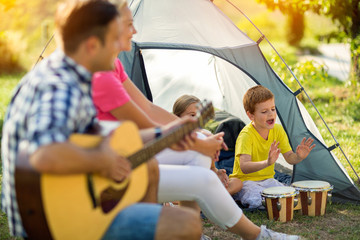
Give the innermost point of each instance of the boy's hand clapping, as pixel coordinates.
(304, 148)
(273, 153)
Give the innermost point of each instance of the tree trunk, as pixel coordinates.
(295, 27)
(355, 41)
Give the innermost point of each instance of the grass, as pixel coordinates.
(341, 221)
(332, 103)
(4, 231)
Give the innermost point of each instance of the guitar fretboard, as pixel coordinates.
(153, 147)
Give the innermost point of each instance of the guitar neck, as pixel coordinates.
(153, 147)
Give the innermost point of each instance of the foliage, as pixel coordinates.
(10, 57)
(25, 24)
(7, 4)
(295, 26)
(344, 13)
(309, 73)
(9, 50)
(270, 26)
(354, 110)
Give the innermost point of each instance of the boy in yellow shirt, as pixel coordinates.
(258, 147)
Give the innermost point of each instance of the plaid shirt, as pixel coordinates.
(51, 102)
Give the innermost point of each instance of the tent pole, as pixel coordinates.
(42, 52)
(292, 73)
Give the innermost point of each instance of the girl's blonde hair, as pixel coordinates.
(182, 103)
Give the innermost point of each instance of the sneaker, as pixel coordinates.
(267, 234)
(204, 237)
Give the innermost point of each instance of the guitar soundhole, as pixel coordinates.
(110, 197)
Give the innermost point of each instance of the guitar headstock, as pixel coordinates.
(205, 113)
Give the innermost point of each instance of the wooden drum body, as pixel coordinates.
(279, 203)
(313, 196)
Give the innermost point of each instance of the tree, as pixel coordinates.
(295, 27)
(344, 13)
(9, 61)
(294, 11)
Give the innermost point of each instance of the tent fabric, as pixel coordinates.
(191, 47)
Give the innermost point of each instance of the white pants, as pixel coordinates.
(192, 158)
(250, 194)
(189, 158)
(192, 183)
(186, 176)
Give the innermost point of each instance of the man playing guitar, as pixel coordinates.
(53, 101)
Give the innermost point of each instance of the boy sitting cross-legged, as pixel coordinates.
(258, 147)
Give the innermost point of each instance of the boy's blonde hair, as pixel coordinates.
(183, 102)
(255, 95)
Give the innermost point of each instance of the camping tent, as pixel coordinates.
(191, 47)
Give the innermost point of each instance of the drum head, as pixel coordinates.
(315, 185)
(279, 192)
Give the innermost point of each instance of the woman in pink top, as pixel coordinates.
(109, 92)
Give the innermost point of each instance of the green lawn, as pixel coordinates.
(341, 221)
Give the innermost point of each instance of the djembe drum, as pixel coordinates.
(279, 202)
(313, 196)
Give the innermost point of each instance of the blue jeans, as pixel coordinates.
(136, 222)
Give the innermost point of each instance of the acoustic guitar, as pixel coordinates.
(82, 206)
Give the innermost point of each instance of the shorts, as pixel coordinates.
(136, 222)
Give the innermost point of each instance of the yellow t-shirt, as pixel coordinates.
(250, 142)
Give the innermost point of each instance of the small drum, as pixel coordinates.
(279, 203)
(313, 196)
